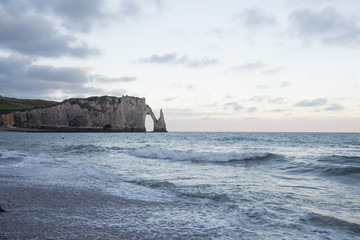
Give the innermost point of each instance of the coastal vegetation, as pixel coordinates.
(8, 105)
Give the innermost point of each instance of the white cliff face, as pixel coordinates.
(94, 113)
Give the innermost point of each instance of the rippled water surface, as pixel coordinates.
(202, 185)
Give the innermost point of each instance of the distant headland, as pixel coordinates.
(93, 114)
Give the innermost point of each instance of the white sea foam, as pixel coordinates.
(190, 155)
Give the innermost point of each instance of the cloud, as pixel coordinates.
(83, 15)
(20, 75)
(189, 86)
(105, 79)
(327, 26)
(250, 66)
(174, 59)
(169, 99)
(284, 84)
(36, 35)
(79, 15)
(274, 70)
(334, 107)
(277, 110)
(312, 103)
(251, 109)
(269, 99)
(278, 100)
(257, 99)
(134, 9)
(255, 18)
(43, 28)
(234, 105)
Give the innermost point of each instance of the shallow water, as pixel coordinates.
(201, 185)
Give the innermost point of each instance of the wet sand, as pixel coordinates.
(56, 213)
(59, 213)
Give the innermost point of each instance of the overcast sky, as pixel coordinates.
(229, 65)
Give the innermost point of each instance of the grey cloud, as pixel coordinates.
(50, 74)
(234, 105)
(35, 35)
(79, 15)
(334, 107)
(20, 77)
(32, 27)
(255, 17)
(251, 66)
(173, 58)
(126, 79)
(83, 15)
(312, 103)
(328, 26)
(163, 59)
(251, 109)
(129, 8)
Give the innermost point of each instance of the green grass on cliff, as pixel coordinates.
(13, 104)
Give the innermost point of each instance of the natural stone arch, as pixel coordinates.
(159, 124)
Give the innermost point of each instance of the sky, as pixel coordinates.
(211, 65)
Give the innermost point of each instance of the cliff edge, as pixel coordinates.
(124, 114)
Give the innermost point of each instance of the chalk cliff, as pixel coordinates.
(125, 114)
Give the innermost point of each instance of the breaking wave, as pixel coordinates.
(190, 155)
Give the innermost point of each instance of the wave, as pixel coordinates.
(341, 170)
(79, 149)
(330, 170)
(206, 195)
(190, 155)
(331, 222)
(10, 157)
(88, 148)
(341, 159)
(196, 192)
(153, 184)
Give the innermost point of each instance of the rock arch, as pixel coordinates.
(159, 124)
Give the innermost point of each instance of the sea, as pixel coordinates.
(196, 185)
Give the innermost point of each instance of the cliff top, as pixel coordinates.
(8, 105)
(14, 104)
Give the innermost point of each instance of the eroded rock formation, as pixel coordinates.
(104, 113)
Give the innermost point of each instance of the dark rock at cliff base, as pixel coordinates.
(104, 113)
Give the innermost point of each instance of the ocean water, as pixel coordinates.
(199, 185)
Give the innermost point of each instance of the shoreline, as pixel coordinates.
(68, 130)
